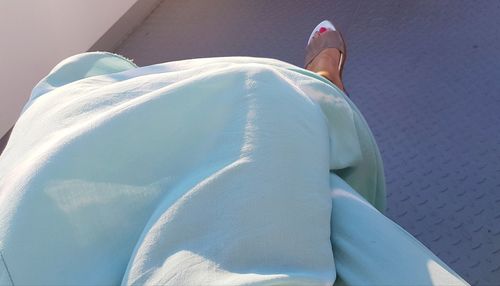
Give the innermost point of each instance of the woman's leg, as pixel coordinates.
(326, 64)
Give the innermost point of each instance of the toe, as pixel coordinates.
(319, 32)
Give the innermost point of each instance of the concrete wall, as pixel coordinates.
(36, 35)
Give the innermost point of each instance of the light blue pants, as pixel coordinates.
(198, 172)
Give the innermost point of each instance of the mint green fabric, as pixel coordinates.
(213, 171)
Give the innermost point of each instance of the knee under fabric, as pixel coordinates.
(205, 171)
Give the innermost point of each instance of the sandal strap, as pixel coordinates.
(328, 39)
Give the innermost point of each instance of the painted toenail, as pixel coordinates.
(322, 29)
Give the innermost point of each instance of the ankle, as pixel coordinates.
(334, 77)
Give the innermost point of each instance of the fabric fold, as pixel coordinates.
(213, 171)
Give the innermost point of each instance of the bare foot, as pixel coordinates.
(326, 64)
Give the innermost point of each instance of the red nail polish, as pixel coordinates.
(322, 29)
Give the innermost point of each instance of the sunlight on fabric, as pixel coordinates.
(440, 276)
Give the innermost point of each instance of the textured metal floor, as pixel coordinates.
(426, 75)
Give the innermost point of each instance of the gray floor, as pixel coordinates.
(424, 73)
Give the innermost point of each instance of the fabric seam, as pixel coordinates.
(6, 268)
